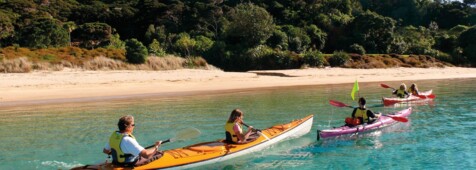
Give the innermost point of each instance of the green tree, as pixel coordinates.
(70, 26)
(373, 31)
(116, 42)
(44, 33)
(409, 12)
(278, 40)
(467, 41)
(318, 37)
(185, 44)
(339, 58)
(7, 29)
(156, 49)
(92, 35)
(203, 44)
(136, 52)
(419, 40)
(451, 14)
(356, 48)
(250, 25)
(298, 39)
(314, 59)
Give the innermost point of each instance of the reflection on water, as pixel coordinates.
(62, 136)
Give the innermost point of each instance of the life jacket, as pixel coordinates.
(411, 91)
(400, 93)
(352, 121)
(359, 113)
(230, 133)
(118, 156)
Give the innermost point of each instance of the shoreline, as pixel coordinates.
(71, 86)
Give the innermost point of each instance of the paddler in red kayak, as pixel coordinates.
(414, 90)
(124, 148)
(361, 115)
(402, 91)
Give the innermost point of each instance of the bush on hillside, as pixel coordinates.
(136, 52)
(339, 58)
(356, 48)
(314, 59)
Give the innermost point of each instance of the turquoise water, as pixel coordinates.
(439, 135)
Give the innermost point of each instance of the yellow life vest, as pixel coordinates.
(411, 91)
(118, 156)
(362, 114)
(230, 133)
(400, 93)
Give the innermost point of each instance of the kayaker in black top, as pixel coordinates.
(363, 114)
(401, 92)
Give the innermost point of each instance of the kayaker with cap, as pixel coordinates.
(234, 129)
(363, 114)
(401, 92)
(124, 148)
(413, 90)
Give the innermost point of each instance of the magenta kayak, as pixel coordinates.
(424, 96)
(382, 122)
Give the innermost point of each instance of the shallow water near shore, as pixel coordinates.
(439, 135)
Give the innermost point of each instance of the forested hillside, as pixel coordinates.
(243, 35)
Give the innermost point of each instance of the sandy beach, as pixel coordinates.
(77, 85)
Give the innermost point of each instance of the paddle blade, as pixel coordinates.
(431, 96)
(385, 86)
(398, 119)
(337, 103)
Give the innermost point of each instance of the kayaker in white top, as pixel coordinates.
(124, 148)
(234, 130)
(363, 114)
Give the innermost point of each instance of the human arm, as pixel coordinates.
(147, 153)
(372, 115)
(353, 113)
(130, 145)
(394, 91)
(417, 92)
(107, 149)
(239, 133)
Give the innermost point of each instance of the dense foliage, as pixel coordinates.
(244, 35)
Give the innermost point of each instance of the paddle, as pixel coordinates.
(340, 104)
(183, 134)
(386, 86)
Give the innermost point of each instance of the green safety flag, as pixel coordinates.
(354, 90)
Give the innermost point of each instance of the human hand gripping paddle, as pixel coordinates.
(340, 104)
(431, 96)
(184, 134)
(257, 130)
